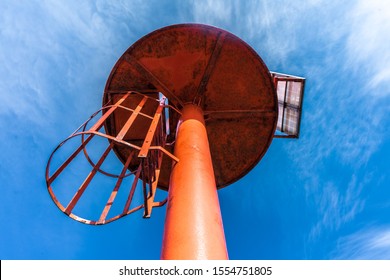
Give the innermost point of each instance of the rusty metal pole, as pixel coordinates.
(193, 225)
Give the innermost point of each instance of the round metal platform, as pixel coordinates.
(194, 63)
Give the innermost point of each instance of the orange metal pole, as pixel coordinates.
(193, 225)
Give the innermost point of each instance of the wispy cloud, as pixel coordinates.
(214, 11)
(338, 141)
(53, 49)
(368, 43)
(55, 58)
(341, 130)
(370, 244)
(248, 19)
(337, 206)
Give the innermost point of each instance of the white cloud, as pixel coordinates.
(55, 58)
(56, 54)
(370, 244)
(368, 42)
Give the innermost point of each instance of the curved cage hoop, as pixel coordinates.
(134, 185)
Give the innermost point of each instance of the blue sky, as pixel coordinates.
(324, 196)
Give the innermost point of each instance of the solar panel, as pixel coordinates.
(290, 96)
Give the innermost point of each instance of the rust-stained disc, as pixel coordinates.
(194, 63)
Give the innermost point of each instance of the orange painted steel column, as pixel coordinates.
(193, 225)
